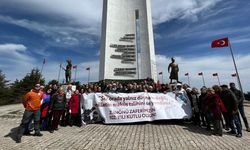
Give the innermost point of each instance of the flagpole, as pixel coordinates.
(203, 80)
(162, 78)
(59, 73)
(188, 80)
(237, 73)
(218, 79)
(88, 76)
(42, 69)
(75, 73)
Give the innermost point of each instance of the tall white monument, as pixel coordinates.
(127, 47)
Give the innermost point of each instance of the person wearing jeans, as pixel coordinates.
(240, 101)
(32, 104)
(231, 104)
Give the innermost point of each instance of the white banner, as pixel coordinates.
(139, 107)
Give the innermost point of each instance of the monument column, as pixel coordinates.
(127, 46)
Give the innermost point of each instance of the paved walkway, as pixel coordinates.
(164, 135)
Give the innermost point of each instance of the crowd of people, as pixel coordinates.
(47, 107)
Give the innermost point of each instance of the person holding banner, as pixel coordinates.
(181, 93)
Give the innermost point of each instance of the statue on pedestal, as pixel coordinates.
(68, 71)
(174, 71)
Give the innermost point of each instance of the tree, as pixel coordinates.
(20, 87)
(52, 82)
(4, 90)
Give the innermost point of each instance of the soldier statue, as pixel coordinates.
(68, 71)
(174, 71)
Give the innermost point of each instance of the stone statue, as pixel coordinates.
(174, 71)
(68, 71)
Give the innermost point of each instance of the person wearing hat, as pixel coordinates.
(32, 104)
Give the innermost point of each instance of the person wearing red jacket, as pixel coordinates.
(74, 109)
(215, 106)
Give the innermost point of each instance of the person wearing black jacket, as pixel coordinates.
(230, 102)
(240, 99)
(205, 116)
(58, 106)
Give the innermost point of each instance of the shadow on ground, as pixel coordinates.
(13, 134)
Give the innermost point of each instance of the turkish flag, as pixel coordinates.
(215, 74)
(186, 74)
(220, 43)
(200, 74)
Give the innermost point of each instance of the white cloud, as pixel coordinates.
(165, 10)
(77, 11)
(15, 61)
(84, 16)
(223, 65)
(10, 47)
(13, 52)
(62, 35)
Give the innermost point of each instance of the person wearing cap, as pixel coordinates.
(240, 99)
(32, 104)
(230, 101)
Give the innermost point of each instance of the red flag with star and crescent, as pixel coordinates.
(220, 43)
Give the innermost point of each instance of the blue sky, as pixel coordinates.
(31, 30)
